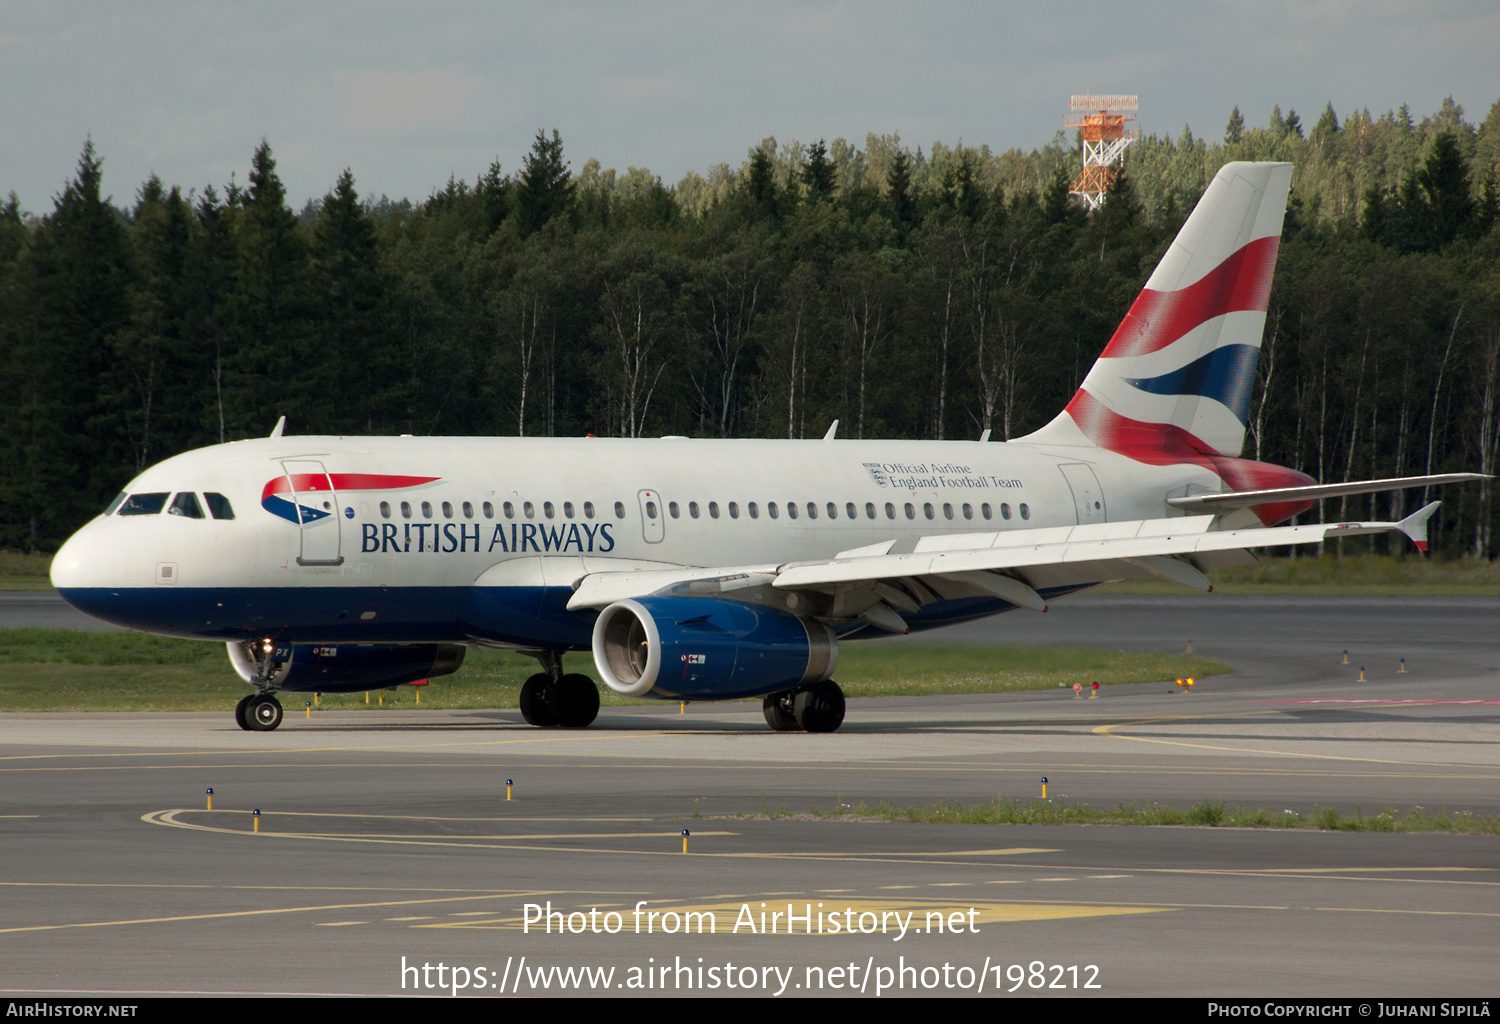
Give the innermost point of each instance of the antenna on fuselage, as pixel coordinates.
(833, 429)
(986, 435)
(280, 426)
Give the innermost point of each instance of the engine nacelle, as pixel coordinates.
(345, 668)
(695, 648)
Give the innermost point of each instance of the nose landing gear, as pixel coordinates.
(258, 712)
(261, 711)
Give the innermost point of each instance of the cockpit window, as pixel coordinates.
(144, 504)
(119, 500)
(186, 504)
(218, 505)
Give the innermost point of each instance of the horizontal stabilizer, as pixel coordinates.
(1214, 503)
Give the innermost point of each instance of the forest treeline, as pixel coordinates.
(905, 293)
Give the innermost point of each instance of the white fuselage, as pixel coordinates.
(523, 513)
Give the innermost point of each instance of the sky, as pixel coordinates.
(406, 95)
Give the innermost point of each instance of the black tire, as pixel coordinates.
(239, 711)
(534, 707)
(574, 701)
(263, 713)
(820, 707)
(779, 712)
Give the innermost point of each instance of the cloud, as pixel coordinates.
(386, 101)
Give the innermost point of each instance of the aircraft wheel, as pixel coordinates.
(779, 712)
(239, 711)
(263, 713)
(534, 706)
(820, 707)
(573, 701)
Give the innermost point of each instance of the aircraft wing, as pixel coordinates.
(1013, 565)
(1248, 499)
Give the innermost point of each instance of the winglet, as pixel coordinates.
(280, 426)
(833, 430)
(1415, 525)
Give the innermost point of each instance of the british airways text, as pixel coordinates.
(509, 537)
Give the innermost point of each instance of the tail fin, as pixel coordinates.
(1175, 380)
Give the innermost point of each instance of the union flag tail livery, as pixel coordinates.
(1174, 383)
(716, 569)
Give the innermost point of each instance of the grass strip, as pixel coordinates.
(1007, 810)
(64, 670)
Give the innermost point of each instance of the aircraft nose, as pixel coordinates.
(69, 564)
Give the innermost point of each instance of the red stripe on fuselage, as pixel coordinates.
(1162, 444)
(1156, 319)
(306, 483)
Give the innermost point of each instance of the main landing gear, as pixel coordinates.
(552, 698)
(258, 712)
(818, 707)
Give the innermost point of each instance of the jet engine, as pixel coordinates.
(692, 648)
(344, 668)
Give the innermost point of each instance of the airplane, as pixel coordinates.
(699, 570)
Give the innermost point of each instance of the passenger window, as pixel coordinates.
(713, 509)
(791, 510)
(853, 512)
(547, 509)
(947, 511)
(588, 510)
(693, 509)
(447, 510)
(1025, 510)
(426, 510)
(869, 510)
(968, 511)
(890, 511)
(186, 505)
(734, 510)
(144, 504)
(219, 507)
(812, 510)
(119, 500)
(489, 510)
(770, 509)
(529, 509)
(650, 510)
(385, 509)
(619, 510)
(985, 510)
(1005, 510)
(568, 509)
(468, 510)
(672, 508)
(911, 511)
(406, 510)
(510, 510)
(754, 510)
(833, 511)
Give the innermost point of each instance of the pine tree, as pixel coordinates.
(898, 191)
(273, 354)
(545, 190)
(817, 173)
(760, 183)
(1234, 131)
(1442, 204)
(350, 298)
